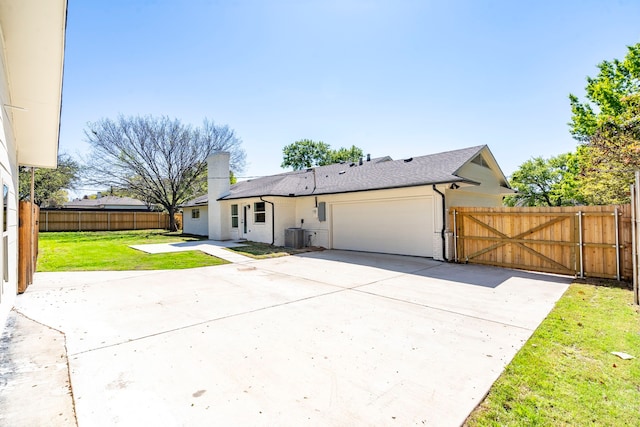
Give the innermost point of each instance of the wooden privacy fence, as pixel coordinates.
(585, 241)
(27, 243)
(103, 221)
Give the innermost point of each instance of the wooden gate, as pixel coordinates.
(585, 241)
(27, 243)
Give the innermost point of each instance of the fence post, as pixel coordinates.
(46, 220)
(134, 221)
(634, 254)
(617, 222)
(455, 235)
(109, 221)
(634, 228)
(79, 221)
(580, 244)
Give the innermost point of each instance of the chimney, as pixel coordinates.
(218, 183)
(99, 194)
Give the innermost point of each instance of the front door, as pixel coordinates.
(245, 220)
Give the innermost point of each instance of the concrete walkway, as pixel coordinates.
(326, 338)
(211, 247)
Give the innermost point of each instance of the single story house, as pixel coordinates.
(107, 203)
(374, 205)
(32, 57)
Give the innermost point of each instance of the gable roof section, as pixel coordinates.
(378, 174)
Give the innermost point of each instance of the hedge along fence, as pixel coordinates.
(104, 221)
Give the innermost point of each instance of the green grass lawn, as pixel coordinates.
(109, 250)
(565, 375)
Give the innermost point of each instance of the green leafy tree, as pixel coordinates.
(607, 95)
(307, 153)
(611, 157)
(608, 126)
(352, 154)
(49, 184)
(546, 182)
(157, 159)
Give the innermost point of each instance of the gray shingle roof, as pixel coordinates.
(376, 174)
(381, 173)
(105, 200)
(198, 201)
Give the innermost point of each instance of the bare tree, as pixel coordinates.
(157, 159)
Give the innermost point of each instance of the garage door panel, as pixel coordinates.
(402, 226)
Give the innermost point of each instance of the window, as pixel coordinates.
(195, 213)
(259, 212)
(234, 216)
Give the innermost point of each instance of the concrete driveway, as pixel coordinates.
(326, 338)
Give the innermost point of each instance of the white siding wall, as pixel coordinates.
(9, 175)
(285, 216)
(197, 226)
(256, 231)
(487, 194)
(316, 231)
(302, 211)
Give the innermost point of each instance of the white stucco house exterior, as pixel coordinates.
(375, 205)
(32, 55)
(195, 216)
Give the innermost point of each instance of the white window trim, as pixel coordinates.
(256, 212)
(236, 216)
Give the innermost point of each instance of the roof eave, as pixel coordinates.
(326, 193)
(34, 38)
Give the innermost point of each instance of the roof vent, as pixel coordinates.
(368, 157)
(309, 169)
(351, 164)
(360, 161)
(341, 173)
(408, 160)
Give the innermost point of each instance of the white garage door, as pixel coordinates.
(402, 226)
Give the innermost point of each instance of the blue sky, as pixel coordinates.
(400, 78)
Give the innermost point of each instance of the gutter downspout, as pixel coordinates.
(273, 220)
(444, 223)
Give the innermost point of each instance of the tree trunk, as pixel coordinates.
(172, 219)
